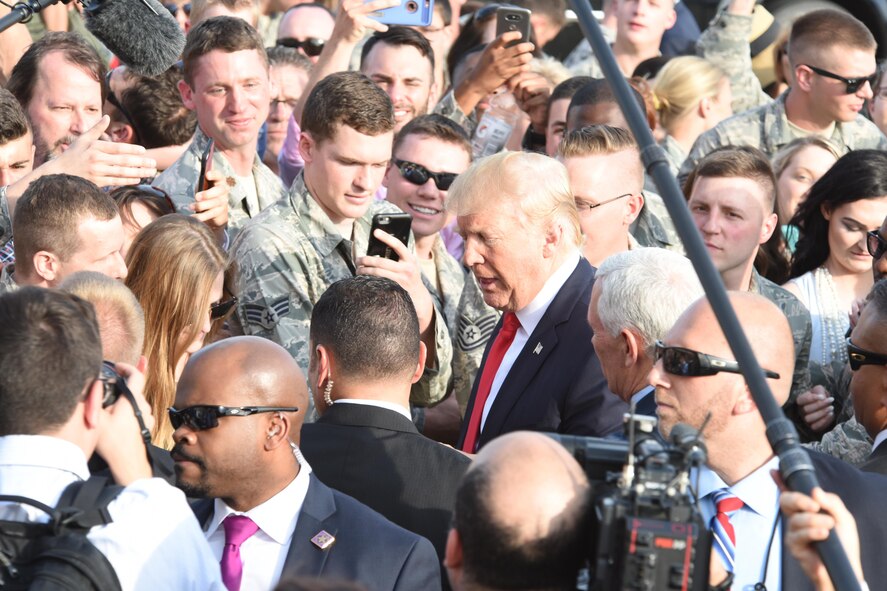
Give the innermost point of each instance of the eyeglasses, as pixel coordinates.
(853, 84)
(159, 194)
(859, 357)
(691, 364)
(112, 98)
(174, 8)
(419, 175)
(582, 205)
(221, 309)
(203, 416)
(875, 244)
(312, 46)
(114, 386)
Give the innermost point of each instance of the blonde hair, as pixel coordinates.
(536, 183)
(172, 264)
(681, 84)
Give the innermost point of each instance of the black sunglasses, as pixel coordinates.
(114, 386)
(174, 8)
(419, 175)
(690, 364)
(853, 84)
(221, 309)
(204, 416)
(112, 98)
(312, 46)
(875, 244)
(859, 357)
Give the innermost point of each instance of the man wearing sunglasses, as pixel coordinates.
(306, 27)
(238, 413)
(698, 383)
(832, 56)
(877, 246)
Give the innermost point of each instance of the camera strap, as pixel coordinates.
(762, 585)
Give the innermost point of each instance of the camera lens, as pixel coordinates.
(412, 6)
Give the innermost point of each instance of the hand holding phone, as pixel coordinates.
(511, 18)
(206, 164)
(396, 224)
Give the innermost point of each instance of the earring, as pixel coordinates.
(327, 392)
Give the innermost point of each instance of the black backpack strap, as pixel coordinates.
(84, 504)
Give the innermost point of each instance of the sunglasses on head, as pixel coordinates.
(204, 416)
(419, 175)
(312, 46)
(688, 363)
(859, 357)
(853, 84)
(875, 244)
(221, 309)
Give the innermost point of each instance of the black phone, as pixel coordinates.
(206, 164)
(396, 224)
(512, 18)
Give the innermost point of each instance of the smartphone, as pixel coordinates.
(206, 164)
(413, 13)
(396, 224)
(512, 18)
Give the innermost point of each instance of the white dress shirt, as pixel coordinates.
(529, 317)
(265, 552)
(879, 439)
(753, 524)
(154, 541)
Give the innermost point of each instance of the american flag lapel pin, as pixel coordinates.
(538, 349)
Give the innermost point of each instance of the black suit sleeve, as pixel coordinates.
(420, 569)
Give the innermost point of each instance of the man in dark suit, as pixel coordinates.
(365, 354)
(738, 497)
(539, 372)
(660, 284)
(238, 411)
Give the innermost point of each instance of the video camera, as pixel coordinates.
(647, 532)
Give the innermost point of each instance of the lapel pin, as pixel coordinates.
(323, 540)
(538, 349)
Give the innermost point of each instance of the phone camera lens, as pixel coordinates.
(412, 6)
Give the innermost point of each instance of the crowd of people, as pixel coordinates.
(188, 309)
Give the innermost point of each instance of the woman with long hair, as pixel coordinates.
(831, 267)
(176, 270)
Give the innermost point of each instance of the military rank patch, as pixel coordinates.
(474, 334)
(267, 317)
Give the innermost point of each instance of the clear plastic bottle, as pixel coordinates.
(496, 125)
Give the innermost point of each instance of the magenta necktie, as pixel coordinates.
(238, 529)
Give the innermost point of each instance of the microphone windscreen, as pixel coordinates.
(146, 42)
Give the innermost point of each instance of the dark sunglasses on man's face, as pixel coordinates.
(174, 8)
(221, 309)
(312, 46)
(859, 357)
(875, 244)
(419, 175)
(853, 84)
(688, 363)
(201, 417)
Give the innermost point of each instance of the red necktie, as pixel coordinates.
(510, 324)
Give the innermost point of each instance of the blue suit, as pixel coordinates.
(368, 549)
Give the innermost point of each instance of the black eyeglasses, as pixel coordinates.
(859, 357)
(688, 363)
(202, 416)
(582, 205)
(312, 46)
(853, 84)
(112, 98)
(221, 309)
(174, 8)
(419, 175)
(875, 244)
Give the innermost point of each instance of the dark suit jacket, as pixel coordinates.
(378, 457)
(561, 388)
(863, 494)
(646, 405)
(368, 548)
(877, 461)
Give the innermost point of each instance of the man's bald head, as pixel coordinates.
(522, 514)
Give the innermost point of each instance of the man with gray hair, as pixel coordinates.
(637, 297)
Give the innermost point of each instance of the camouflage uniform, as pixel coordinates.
(653, 227)
(725, 44)
(449, 108)
(180, 180)
(848, 441)
(582, 61)
(7, 282)
(674, 153)
(476, 323)
(287, 257)
(802, 334)
(766, 127)
(5, 218)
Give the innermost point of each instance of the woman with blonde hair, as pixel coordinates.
(176, 270)
(691, 95)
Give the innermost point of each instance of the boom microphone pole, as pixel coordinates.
(794, 463)
(23, 11)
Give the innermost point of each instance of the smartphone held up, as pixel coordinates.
(412, 13)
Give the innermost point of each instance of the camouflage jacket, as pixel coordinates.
(766, 127)
(5, 218)
(476, 323)
(449, 108)
(802, 334)
(582, 61)
(287, 257)
(7, 282)
(848, 441)
(725, 44)
(180, 181)
(653, 226)
(674, 153)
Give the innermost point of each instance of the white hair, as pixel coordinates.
(645, 290)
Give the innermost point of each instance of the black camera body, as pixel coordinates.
(647, 532)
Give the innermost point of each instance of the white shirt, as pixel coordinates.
(264, 553)
(753, 524)
(879, 439)
(529, 317)
(379, 403)
(154, 541)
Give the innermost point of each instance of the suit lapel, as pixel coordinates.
(303, 557)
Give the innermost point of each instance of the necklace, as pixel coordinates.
(833, 319)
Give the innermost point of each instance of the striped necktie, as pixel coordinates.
(724, 542)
